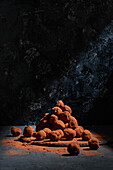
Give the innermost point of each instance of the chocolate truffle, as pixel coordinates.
(61, 132)
(86, 135)
(40, 135)
(73, 148)
(65, 116)
(47, 131)
(79, 130)
(53, 118)
(73, 123)
(28, 131)
(93, 143)
(59, 124)
(69, 133)
(60, 104)
(55, 135)
(15, 131)
(56, 110)
(45, 123)
(67, 108)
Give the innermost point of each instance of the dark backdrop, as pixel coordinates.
(51, 50)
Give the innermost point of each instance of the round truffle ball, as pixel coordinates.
(44, 123)
(47, 131)
(93, 143)
(73, 148)
(15, 131)
(56, 110)
(53, 118)
(40, 135)
(65, 116)
(28, 131)
(60, 104)
(69, 133)
(73, 123)
(55, 135)
(59, 124)
(61, 132)
(86, 135)
(79, 130)
(67, 108)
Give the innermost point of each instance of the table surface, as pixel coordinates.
(51, 161)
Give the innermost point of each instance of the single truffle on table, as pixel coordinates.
(56, 110)
(93, 143)
(86, 135)
(73, 123)
(60, 103)
(74, 148)
(40, 135)
(69, 133)
(55, 135)
(79, 130)
(65, 116)
(47, 131)
(28, 131)
(61, 132)
(59, 124)
(53, 118)
(67, 108)
(16, 131)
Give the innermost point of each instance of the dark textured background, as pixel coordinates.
(51, 50)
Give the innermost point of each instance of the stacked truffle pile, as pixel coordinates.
(61, 124)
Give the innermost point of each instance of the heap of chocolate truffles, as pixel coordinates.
(57, 125)
(61, 124)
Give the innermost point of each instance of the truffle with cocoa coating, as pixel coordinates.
(40, 135)
(44, 123)
(56, 110)
(67, 108)
(55, 135)
(59, 124)
(47, 131)
(28, 131)
(79, 130)
(86, 135)
(93, 143)
(53, 118)
(60, 103)
(73, 148)
(16, 131)
(69, 133)
(65, 116)
(73, 123)
(61, 132)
